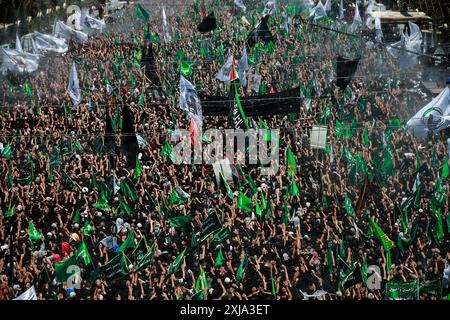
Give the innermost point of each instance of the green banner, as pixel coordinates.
(402, 291)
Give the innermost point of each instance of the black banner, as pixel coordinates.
(210, 225)
(260, 32)
(283, 102)
(208, 24)
(129, 143)
(345, 71)
(149, 62)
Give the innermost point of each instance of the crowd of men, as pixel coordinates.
(300, 237)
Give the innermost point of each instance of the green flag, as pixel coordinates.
(83, 254)
(402, 291)
(434, 160)
(6, 152)
(342, 252)
(28, 89)
(210, 225)
(167, 151)
(291, 163)
(141, 101)
(201, 282)
(176, 198)
(387, 243)
(142, 14)
(240, 274)
(102, 203)
(263, 125)
(185, 68)
(116, 268)
(258, 210)
(348, 207)
(227, 187)
(65, 269)
(387, 167)
(10, 211)
(138, 169)
(124, 207)
(219, 260)
(244, 203)
(366, 138)
(128, 243)
(33, 233)
(127, 191)
(241, 110)
(432, 288)
(294, 188)
(274, 290)
(181, 222)
(147, 260)
(263, 201)
(175, 265)
(220, 236)
(439, 195)
(253, 187)
(200, 295)
(445, 169)
(87, 228)
(140, 250)
(439, 226)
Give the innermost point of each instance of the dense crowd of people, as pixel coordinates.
(56, 173)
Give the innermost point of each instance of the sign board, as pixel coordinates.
(319, 137)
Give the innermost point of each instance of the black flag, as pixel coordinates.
(260, 32)
(210, 225)
(129, 143)
(345, 71)
(149, 62)
(208, 24)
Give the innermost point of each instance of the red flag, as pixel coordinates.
(234, 75)
(193, 129)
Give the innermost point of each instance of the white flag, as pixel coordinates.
(269, 8)
(74, 86)
(240, 4)
(357, 21)
(405, 48)
(182, 193)
(64, 31)
(18, 43)
(30, 294)
(319, 11)
(378, 31)
(46, 42)
(243, 67)
(224, 72)
(341, 10)
(189, 101)
(317, 294)
(88, 22)
(167, 37)
(432, 118)
(17, 62)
